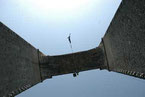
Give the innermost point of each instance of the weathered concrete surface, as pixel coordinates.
(70, 63)
(125, 39)
(19, 68)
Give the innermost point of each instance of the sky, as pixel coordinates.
(46, 25)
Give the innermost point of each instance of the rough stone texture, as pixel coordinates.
(23, 66)
(125, 39)
(19, 66)
(70, 63)
(122, 50)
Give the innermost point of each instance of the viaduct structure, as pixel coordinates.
(122, 50)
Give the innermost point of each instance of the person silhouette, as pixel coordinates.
(69, 38)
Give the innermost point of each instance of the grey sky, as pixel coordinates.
(48, 30)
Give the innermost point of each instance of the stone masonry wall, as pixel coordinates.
(125, 39)
(19, 66)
